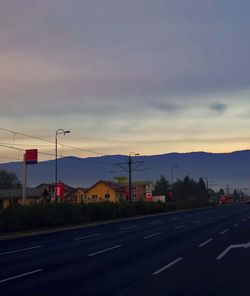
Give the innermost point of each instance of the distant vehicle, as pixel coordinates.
(224, 200)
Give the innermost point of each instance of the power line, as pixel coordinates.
(52, 142)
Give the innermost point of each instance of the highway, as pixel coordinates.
(199, 252)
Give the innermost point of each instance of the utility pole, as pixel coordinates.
(130, 163)
(24, 179)
(130, 177)
(172, 173)
(207, 183)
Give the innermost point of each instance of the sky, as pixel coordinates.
(142, 76)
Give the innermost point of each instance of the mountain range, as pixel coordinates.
(220, 169)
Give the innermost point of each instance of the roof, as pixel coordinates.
(17, 193)
(115, 186)
(67, 188)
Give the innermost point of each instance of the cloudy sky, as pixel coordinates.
(126, 75)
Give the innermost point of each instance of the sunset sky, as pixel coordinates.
(125, 75)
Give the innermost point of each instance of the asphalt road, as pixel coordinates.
(202, 252)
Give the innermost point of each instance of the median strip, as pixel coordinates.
(87, 236)
(167, 266)
(20, 250)
(20, 275)
(103, 251)
(151, 235)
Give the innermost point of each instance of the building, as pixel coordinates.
(66, 191)
(140, 189)
(76, 196)
(14, 196)
(104, 191)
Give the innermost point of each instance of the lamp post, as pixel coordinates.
(60, 131)
(130, 173)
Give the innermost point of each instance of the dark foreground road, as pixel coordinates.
(203, 252)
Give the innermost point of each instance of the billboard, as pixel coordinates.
(31, 156)
(59, 191)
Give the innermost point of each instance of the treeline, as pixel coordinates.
(38, 216)
(186, 193)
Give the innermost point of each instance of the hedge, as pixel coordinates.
(20, 218)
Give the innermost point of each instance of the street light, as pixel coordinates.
(60, 131)
(130, 173)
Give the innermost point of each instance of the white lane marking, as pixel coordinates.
(167, 266)
(105, 250)
(20, 275)
(20, 250)
(243, 220)
(206, 242)
(248, 217)
(247, 245)
(155, 222)
(128, 227)
(224, 231)
(199, 221)
(87, 236)
(151, 235)
(236, 224)
(181, 226)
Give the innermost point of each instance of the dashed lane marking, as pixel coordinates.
(20, 275)
(87, 236)
(167, 266)
(20, 250)
(128, 227)
(224, 231)
(104, 251)
(206, 242)
(181, 226)
(151, 235)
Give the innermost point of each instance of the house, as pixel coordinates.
(14, 196)
(76, 196)
(140, 189)
(104, 191)
(67, 190)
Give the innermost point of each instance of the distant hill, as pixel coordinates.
(220, 168)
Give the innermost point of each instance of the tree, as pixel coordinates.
(162, 186)
(9, 180)
(203, 190)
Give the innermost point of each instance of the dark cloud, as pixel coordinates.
(169, 107)
(218, 107)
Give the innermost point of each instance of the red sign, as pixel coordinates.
(60, 191)
(31, 156)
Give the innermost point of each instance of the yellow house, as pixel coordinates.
(14, 196)
(104, 191)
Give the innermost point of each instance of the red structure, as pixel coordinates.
(60, 191)
(31, 156)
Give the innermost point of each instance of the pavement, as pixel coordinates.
(202, 252)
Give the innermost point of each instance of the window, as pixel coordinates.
(107, 196)
(94, 197)
(134, 196)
